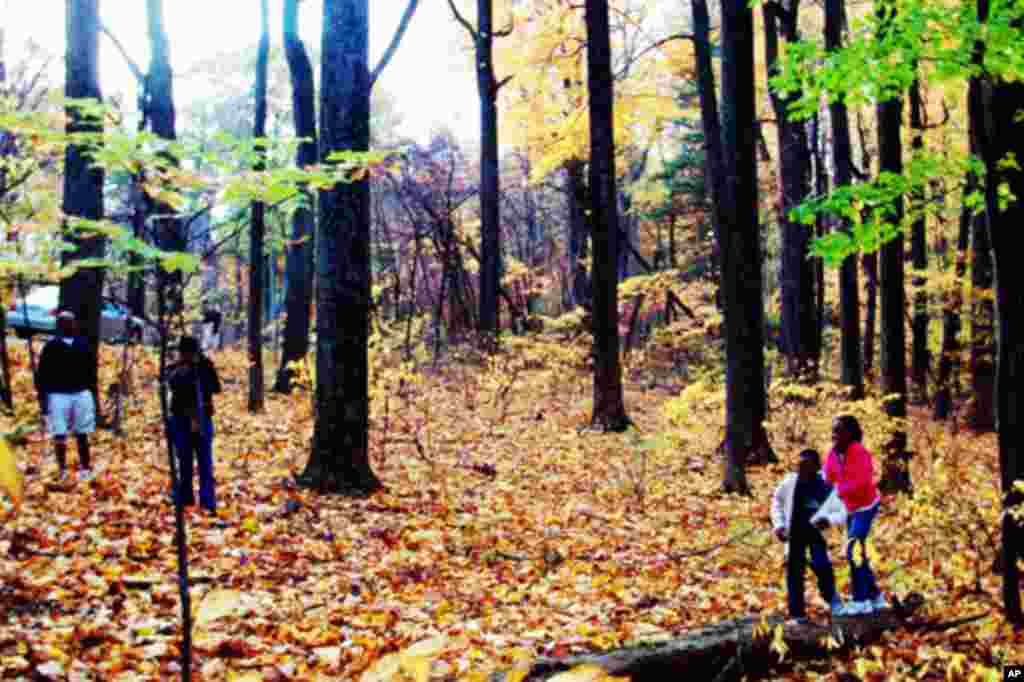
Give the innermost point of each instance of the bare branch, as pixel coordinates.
(410, 10)
(139, 75)
(462, 20)
(503, 82)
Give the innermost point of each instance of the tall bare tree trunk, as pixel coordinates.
(981, 412)
(950, 357)
(299, 260)
(920, 360)
(257, 227)
(162, 117)
(851, 360)
(711, 127)
(999, 137)
(609, 411)
(490, 200)
(799, 323)
(742, 289)
(893, 357)
(340, 458)
(83, 182)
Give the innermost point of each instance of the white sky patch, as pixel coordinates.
(429, 78)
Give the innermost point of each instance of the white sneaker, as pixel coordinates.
(854, 608)
(879, 603)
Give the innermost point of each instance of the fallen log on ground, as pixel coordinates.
(731, 649)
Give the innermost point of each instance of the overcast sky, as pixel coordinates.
(429, 78)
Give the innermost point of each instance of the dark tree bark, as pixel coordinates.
(257, 226)
(162, 120)
(299, 260)
(490, 199)
(83, 182)
(732, 649)
(822, 224)
(339, 459)
(871, 310)
(981, 412)
(850, 359)
(609, 408)
(920, 361)
(893, 356)
(799, 323)
(710, 125)
(579, 234)
(1001, 136)
(742, 289)
(949, 360)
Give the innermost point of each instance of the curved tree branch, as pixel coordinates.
(410, 10)
(462, 20)
(136, 71)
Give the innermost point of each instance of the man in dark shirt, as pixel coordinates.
(193, 382)
(64, 381)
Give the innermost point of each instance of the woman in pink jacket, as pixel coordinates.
(851, 470)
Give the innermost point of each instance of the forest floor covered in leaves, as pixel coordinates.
(507, 531)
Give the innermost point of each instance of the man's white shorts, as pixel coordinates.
(211, 341)
(71, 413)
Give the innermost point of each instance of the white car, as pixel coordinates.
(36, 313)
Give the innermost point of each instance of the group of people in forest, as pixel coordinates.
(810, 500)
(65, 381)
(804, 504)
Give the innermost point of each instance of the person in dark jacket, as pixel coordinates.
(193, 382)
(803, 501)
(65, 379)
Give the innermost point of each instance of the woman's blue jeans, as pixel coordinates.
(862, 578)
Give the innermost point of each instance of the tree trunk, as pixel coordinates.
(981, 413)
(1001, 137)
(609, 408)
(340, 458)
(728, 650)
(742, 289)
(257, 227)
(949, 360)
(490, 206)
(799, 323)
(299, 260)
(711, 127)
(850, 359)
(871, 313)
(893, 356)
(821, 227)
(160, 108)
(920, 360)
(83, 183)
(579, 233)
(137, 280)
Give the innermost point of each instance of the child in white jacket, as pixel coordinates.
(801, 501)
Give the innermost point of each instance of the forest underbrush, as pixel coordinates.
(507, 530)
